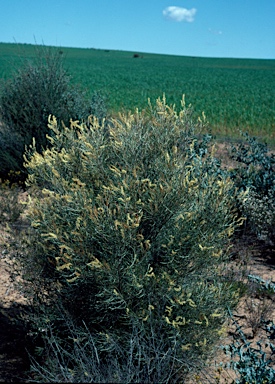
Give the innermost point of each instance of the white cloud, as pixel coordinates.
(179, 14)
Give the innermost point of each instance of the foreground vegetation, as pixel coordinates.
(129, 224)
(234, 93)
(73, 261)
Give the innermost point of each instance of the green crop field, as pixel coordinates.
(234, 93)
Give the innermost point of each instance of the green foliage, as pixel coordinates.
(131, 223)
(234, 93)
(260, 211)
(264, 284)
(257, 165)
(257, 173)
(253, 364)
(39, 88)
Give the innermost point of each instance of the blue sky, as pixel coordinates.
(207, 28)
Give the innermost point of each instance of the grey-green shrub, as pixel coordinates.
(41, 87)
(256, 165)
(131, 229)
(256, 172)
(252, 364)
(261, 213)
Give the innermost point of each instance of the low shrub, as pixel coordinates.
(260, 211)
(253, 364)
(256, 165)
(36, 90)
(256, 172)
(131, 226)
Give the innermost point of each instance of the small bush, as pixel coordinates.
(253, 364)
(260, 211)
(256, 173)
(256, 166)
(131, 231)
(38, 89)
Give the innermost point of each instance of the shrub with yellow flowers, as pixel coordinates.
(131, 224)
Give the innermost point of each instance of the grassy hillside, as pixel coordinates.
(234, 93)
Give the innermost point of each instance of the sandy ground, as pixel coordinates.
(251, 309)
(13, 356)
